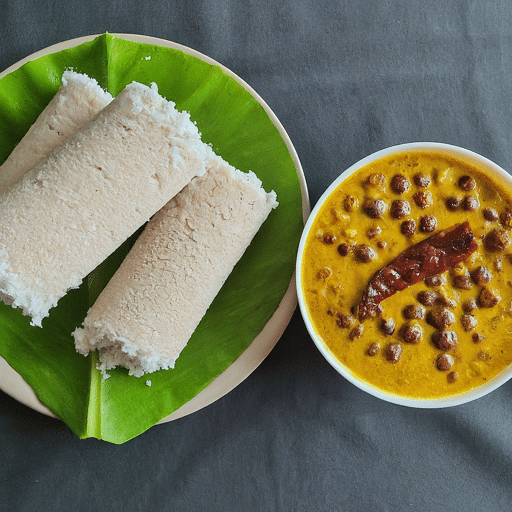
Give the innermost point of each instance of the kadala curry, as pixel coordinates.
(407, 275)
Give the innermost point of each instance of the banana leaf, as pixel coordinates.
(239, 129)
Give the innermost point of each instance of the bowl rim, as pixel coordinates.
(463, 154)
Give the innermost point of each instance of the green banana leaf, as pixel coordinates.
(229, 118)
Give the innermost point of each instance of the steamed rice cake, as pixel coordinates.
(77, 101)
(148, 311)
(74, 208)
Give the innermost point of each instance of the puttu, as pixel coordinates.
(150, 308)
(66, 215)
(77, 101)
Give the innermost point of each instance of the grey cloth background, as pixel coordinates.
(345, 78)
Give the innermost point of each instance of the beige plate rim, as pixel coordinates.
(12, 383)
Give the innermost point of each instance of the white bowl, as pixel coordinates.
(462, 154)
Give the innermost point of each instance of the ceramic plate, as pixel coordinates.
(11, 382)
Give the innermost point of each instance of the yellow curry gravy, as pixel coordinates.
(373, 216)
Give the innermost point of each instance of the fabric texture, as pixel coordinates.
(345, 79)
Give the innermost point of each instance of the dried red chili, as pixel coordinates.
(425, 259)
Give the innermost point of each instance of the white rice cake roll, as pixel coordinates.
(71, 211)
(78, 100)
(148, 311)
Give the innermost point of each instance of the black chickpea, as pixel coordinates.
(356, 332)
(488, 298)
(350, 203)
(345, 321)
(422, 180)
(411, 334)
(376, 180)
(470, 204)
(452, 377)
(446, 302)
(496, 240)
(462, 282)
(469, 305)
(468, 322)
(444, 362)
(408, 227)
(375, 208)
(345, 249)
(365, 253)
(428, 223)
(387, 326)
(506, 217)
(399, 184)
(423, 199)
(467, 183)
(440, 318)
(329, 239)
(427, 298)
(452, 203)
(477, 338)
(373, 349)
(400, 209)
(481, 275)
(490, 214)
(413, 311)
(444, 340)
(394, 352)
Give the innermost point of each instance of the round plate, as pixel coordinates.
(11, 382)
